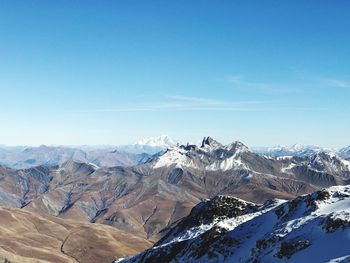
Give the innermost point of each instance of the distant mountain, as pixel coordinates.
(294, 150)
(116, 158)
(27, 157)
(21, 157)
(150, 146)
(160, 141)
(310, 228)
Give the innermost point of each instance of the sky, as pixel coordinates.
(264, 72)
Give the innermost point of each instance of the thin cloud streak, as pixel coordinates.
(239, 81)
(195, 99)
(338, 83)
(185, 103)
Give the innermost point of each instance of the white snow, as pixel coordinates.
(287, 168)
(189, 234)
(297, 223)
(94, 166)
(160, 141)
(227, 164)
(200, 157)
(346, 163)
(344, 259)
(173, 156)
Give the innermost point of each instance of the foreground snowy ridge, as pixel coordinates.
(310, 228)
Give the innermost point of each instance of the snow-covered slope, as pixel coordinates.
(345, 152)
(310, 228)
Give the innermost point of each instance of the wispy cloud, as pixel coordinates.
(338, 83)
(194, 99)
(239, 80)
(242, 82)
(183, 103)
(308, 83)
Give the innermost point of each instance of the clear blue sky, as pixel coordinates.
(112, 72)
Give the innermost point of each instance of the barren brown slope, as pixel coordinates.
(29, 237)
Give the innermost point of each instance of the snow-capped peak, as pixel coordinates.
(211, 155)
(160, 141)
(176, 156)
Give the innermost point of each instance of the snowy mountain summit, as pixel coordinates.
(210, 155)
(160, 141)
(151, 146)
(309, 228)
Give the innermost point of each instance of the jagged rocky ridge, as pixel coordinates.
(309, 228)
(150, 198)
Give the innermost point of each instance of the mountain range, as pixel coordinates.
(294, 150)
(19, 157)
(151, 198)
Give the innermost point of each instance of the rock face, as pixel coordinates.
(28, 237)
(310, 228)
(148, 199)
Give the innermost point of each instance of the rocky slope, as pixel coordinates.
(310, 228)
